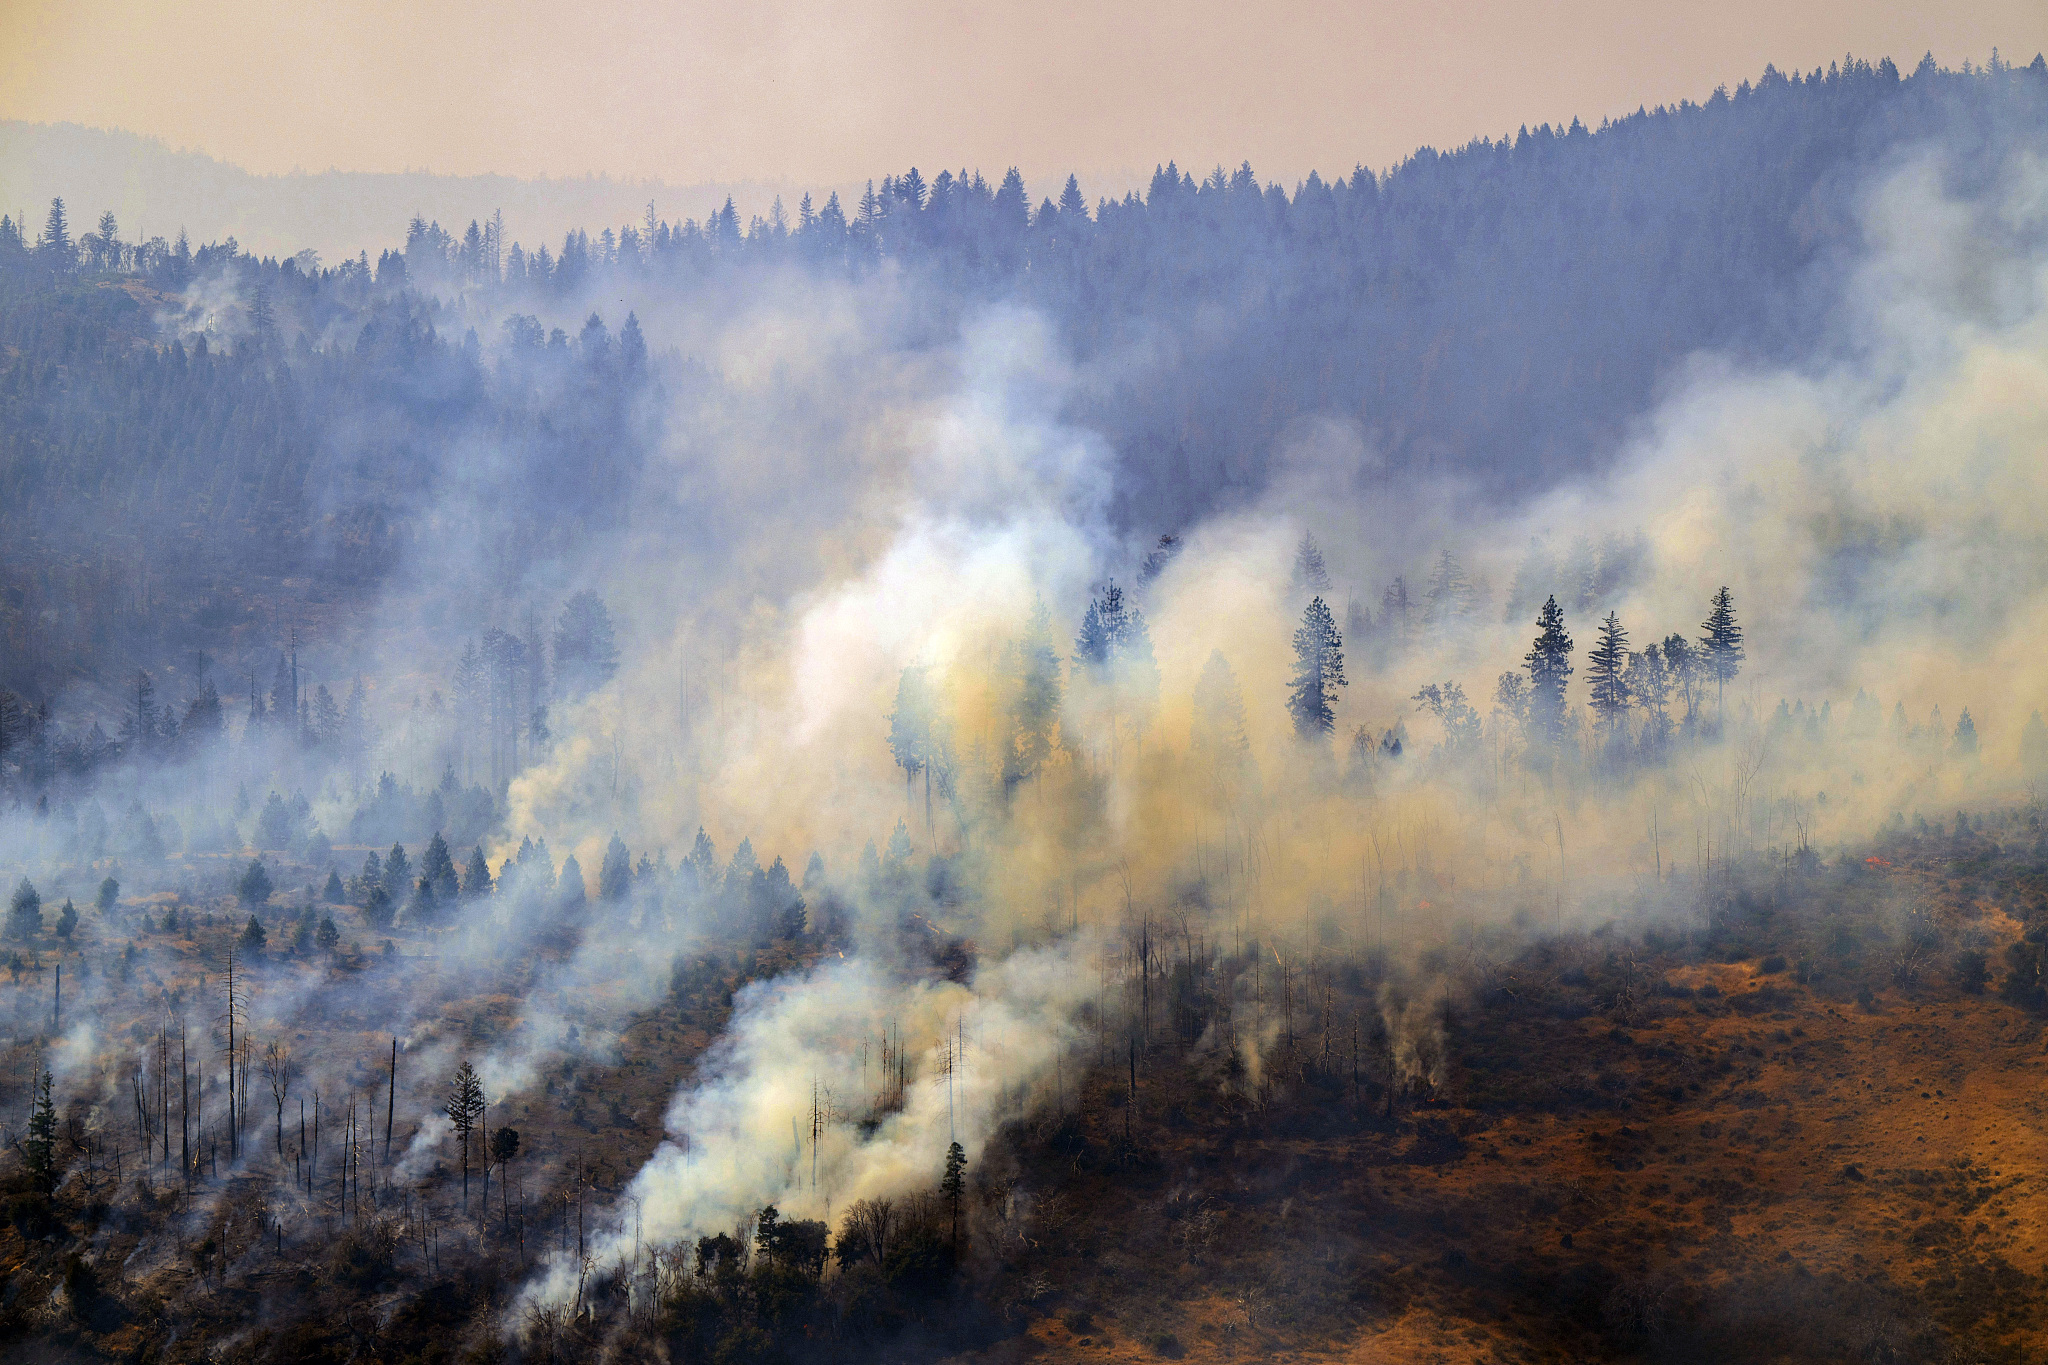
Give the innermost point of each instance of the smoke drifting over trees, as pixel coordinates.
(1098, 603)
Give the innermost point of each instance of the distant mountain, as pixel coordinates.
(155, 190)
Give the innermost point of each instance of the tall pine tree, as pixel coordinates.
(1721, 646)
(1606, 667)
(1318, 673)
(1549, 662)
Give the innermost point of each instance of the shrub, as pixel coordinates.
(31, 1216)
(1773, 964)
(1970, 971)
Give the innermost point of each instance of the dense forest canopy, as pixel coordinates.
(196, 443)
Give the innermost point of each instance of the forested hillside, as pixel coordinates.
(202, 440)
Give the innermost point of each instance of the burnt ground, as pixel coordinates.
(1801, 1124)
(1808, 1133)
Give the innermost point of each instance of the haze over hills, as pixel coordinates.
(159, 189)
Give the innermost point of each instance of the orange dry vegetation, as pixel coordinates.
(1768, 1170)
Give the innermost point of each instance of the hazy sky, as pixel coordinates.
(826, 91)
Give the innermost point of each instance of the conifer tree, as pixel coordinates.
(437, 869)
(1965, 741)
(1721, 646)
(615, 873)
(1397, 614)
(476, 877)
(464, 1106)
(397, 874)
(1450, 593)
(570, 886)
(139, 730)
(255, 888)
(41, 1147)
(25, 912)
(1318, 673)
(954, 1187)
(1549, 666)
(1310, 573)
(1606, 665)
(56, 245)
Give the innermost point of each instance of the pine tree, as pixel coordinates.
(67, 919)
(1114, 665)
(437, 869)
(326, 718)
(1073, 207)
(615, 873)
(1965, 741)
(570, 888)
(954, 1186)
(108, 247)
(1722, 646)
(203, 717)
(397, 874)
(41, 1146)
(254, 887)
(1318, 673)
(1450, 593)
(25, 912)
(464, 1106)
(1549, 666)
(1397, 616)
(56, 245)
(1606, 665)
(1310, 573)
(139, 730)
(476, 877)
(468, 687)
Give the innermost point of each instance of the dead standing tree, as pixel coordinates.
(279, 1070)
